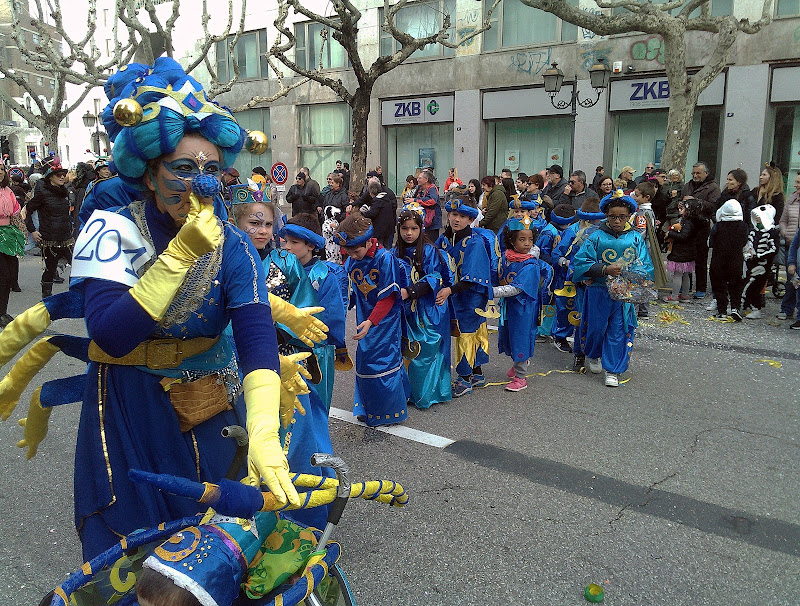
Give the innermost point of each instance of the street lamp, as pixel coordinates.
(89, 120)
(599, 76)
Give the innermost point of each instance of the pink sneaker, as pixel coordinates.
(684, 297)
(517, 384)
(511, 374)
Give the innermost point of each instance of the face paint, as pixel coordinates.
(258, 225)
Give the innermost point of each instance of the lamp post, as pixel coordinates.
(89, 120)
(599, 76)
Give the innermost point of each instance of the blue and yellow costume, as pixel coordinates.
(537, 224)
(607, 326)
(472, 266)
(549, 238)
(427, 324)
(382, 387)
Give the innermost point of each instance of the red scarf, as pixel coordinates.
(373, 247)
(513, 256)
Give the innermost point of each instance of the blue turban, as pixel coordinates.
(174, 105)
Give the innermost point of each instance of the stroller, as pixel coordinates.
(111, 577)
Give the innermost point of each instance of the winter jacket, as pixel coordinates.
(496, 209)
(303, 199)
(428, 198)
(790, 218)
(707, 191)
(743, 196)
(55, 221)
(574, 199)
(382, 215)
(728, 239)
(555, 191)
(683, 241)
(338, 198)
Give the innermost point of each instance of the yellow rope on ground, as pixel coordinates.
(773, 363)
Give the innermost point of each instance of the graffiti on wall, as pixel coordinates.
(587, 34)
(590, 56)
(466, 23)
(530, 62)
(649, 49)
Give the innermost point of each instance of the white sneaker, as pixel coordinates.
(712, 306)
(754, 315)
(595, 365)
(612, 379)
(781, 316)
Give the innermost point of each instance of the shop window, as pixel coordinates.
(313, 51)
(515, 24)
(413, 146)
(39, 80)
(534, 143)
(250, 52)
(786, 8)
(421, 19)
(254, 119)
(786, 143)
(325, 136)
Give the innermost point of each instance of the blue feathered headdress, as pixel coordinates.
(173, 105)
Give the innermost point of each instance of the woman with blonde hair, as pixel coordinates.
(770, 191)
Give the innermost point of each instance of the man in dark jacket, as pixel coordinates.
(302, 198)
(555, 183)
(428, 197)
(702, 187)
(54, 235)
(575, 192)
(380, 212)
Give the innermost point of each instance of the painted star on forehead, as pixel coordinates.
(201, 158)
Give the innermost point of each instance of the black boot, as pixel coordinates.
(47, 289)
(578, 363)
(5, 292)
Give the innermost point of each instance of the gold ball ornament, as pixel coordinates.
(128, 112)
(257, 142)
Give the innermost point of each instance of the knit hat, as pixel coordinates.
(730, 211)
(556, 168)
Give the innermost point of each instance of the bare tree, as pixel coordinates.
(659, 19)
(343, 27)
(67, 60)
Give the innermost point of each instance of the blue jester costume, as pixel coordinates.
(382, 387)
(427, 324)
(472, 267)
(607, 325)
(157, 295)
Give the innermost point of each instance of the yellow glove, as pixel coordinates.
(22, 330)
(300, 321)
(292, 385)
(265, 457)
(17, 379)
(199, 235)
(35, 425)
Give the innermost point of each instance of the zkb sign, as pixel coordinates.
(418, 110)
(411, 109)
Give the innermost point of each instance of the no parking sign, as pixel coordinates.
(279, 173)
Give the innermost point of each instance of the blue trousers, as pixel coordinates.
(580, 295)
(607, 330)
(561, 325)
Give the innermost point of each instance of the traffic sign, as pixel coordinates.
(279, 173)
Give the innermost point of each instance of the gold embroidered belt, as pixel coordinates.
(156, 353)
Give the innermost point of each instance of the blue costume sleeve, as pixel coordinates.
(242, 274)
(533, 278)
(255, 338)
(330, 297)
(108, 305)
(392, 277)
(643, 253)
(545, 244)
(588, 257)
(103, 195)
(476, 266)
(567, 238)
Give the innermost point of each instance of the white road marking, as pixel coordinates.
(401, 431)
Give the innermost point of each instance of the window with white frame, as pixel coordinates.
(326, 135)
(250, 53)
(313, 51)
(514, 24)
(421, 19)
(787, 8)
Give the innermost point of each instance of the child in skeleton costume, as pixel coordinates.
(333, 215)
(762, 245)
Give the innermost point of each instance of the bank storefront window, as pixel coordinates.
(528, 145)
(325, 136)
(785, 97)
(254, 119)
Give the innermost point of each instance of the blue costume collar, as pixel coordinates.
(342, 239)
(302, 233)
(461, 208)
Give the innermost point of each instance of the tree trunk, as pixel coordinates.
(50, 136)
(358, 167)
(682, 101)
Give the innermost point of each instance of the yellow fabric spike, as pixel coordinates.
(22, 330)
(467, 344)
(17, 379)
(773, 363)
(35, 425)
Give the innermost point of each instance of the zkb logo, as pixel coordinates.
(433, 107)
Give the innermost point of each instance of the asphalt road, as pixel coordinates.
(678, 487)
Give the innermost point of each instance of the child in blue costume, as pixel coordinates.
(308, 432)
(524, 282)
(609, 324)
(382, 388)
(589, 218)
(562, 217)
(518, 209)
(302, 236)
(471, 291)
(427, 324)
